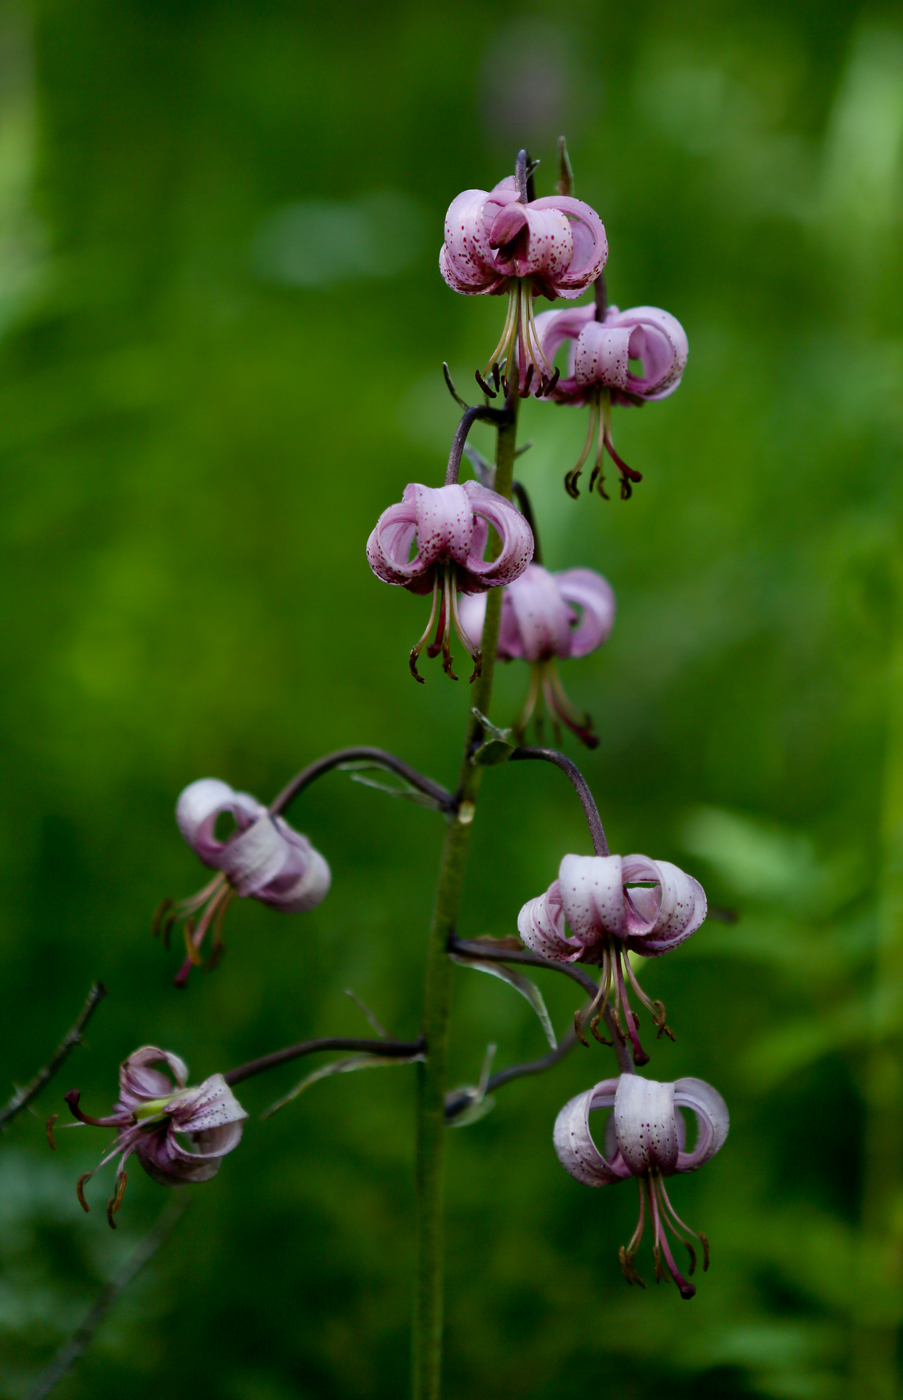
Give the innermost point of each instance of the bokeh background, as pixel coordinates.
(222, 327)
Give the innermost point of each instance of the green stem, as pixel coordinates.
(432, 1076)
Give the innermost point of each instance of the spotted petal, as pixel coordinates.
(712, 1118)
(577, 1152)
(645, 1126)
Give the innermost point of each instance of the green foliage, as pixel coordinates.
(197, 438)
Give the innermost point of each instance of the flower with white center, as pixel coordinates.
(614, 905)
(262, 858)
(645, 1137)
(179, 1134)
(604, 342)
(448, 530)
(501, 240)
(540, 621)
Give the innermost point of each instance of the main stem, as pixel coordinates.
(432, 1075)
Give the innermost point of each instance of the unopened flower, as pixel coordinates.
(500, 241)
(448, 528)
(614, 905)
(179, 1134)
(599, 374)
(645, 1137)
(540, 621)
(262, 858)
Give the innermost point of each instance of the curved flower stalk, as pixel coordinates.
(263, 858)
(500, 241)
(153, 1114)
(603, 344)
(448, 528)
(614, 905)
(645, 1137)
(540, 621)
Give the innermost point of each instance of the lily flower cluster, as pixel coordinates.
(153, 1114)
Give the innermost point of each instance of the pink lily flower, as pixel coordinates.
(540, 621)
(449, 526)
(614, 905)
(501, 241)
(152, 1114)
(263, 858)
(645, 1137)
(603, 344)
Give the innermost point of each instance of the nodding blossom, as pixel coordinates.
(262, 858)
(645, 1137)
(604, 342)
(153, 1114)
(448, 527)
(614, 905)
(501, 241)
(545, 616)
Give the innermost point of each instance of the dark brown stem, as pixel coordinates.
(485, 952)
(379, 757)
(23, 1097)
(498, 416)
(386, 1049)
(591, 811)
(456, 1101)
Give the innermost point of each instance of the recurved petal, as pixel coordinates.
(553, 328)
(467, 252)
(138, 1082)
(679, 906)
(577, 1152)
(207, 1107)
(305, 878)
(592, 895)
(602, 355)
(255, 857)
(645, 1124)
(389, 545)
(595, 597)
(513, 531)
(590, 246)
(197, 809)
(712, 1118)
(540, 924)
(542, 617)
(444, 522)
(660, 341)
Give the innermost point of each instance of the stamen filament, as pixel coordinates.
(418, 647)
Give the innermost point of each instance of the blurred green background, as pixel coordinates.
(222, 331)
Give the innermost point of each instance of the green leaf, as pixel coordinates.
(346, 1066)
(528, 990)
(493, 752)
(399, 788)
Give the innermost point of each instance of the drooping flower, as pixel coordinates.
(604, 342)
(614, 905)
(502, 241)
(262, 858)
(153, 1114)
(449, 529)
(645, 1137)
(540, 622)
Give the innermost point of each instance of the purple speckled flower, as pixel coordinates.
(262, 858)
(599, 374)
(614, 905)
(179, 1134)
(547, 616)
(500, 241)
(645, 1137)
(447, 528)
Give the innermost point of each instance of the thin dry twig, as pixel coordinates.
(23, 1097)
(76, 1345)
